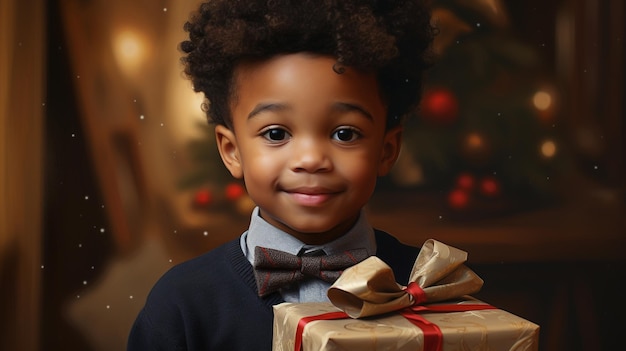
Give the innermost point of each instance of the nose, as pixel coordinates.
(310, 155)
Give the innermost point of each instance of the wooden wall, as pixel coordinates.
(22, 109)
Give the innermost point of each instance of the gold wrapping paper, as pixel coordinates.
(369, 288)
(494, 330)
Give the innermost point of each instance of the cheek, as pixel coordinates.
(359, 169)
(260, 167)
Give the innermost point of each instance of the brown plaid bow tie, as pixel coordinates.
(274, 269)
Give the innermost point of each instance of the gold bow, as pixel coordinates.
(369, 287)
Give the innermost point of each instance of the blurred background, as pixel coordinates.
(109, 174)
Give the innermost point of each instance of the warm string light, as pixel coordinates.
(474, 141)
(542, 100)
(130, 50)
(548, 148)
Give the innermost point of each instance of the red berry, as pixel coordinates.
(490, 186)
(203, 197)
(440, 106)
(465, 181)
(458, 198)
(233, 191)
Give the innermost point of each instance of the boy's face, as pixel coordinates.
(308, 142)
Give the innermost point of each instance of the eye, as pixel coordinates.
(346, 135)
(275, 134)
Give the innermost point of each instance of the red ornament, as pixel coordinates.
(489, 186)
(439, 106)
(465, 181)
(202, 197)
(234, 191)
(458, 199)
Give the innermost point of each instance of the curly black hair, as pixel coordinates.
(390, 37)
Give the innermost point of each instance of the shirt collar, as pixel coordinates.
(261, 233)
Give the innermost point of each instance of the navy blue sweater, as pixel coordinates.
(211, 302)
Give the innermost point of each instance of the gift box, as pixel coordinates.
(491, 329)
(370, 311)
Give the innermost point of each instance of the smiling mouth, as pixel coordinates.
(310, 197)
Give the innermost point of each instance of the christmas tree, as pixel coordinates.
(485, 134)
(214, 188)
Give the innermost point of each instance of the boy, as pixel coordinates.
(307, 99)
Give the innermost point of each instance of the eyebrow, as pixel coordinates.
(264, 107)
(341, 106)
(350, 107)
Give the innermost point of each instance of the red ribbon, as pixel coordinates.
(433, 338)
(419, 296)
(320, 317)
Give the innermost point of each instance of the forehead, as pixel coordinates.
(304, 80)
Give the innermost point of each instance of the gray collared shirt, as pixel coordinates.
(261, 233)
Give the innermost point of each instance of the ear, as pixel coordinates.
(227, 146)
(390, 151)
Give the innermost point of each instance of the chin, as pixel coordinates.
(317, 229)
